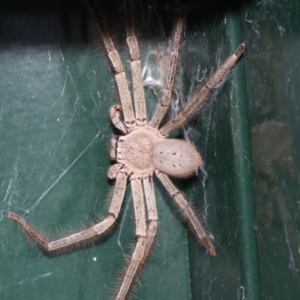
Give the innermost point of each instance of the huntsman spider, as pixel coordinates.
(144, 149)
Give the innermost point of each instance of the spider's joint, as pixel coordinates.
(115, 113)
(208, 87)
(157, 173)
(147, 176)
(151, 127)
(112, 215)
(175, 194)
(134, 51)
(116, 62)
(135, 176)
(116, 108)
(126, 171)
(162, 133)
(240, 50)
(141, 122)
(165, 102)
(130, 125)
(115, 169)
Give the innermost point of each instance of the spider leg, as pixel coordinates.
(188, 213)
(151, 212)
(165, 101)
(140, 232)
(200, 97)
(84, 235)
(135, 64)
(117, 66)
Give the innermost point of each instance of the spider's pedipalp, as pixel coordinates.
(199, 98)
(115, 114)
(115, 169)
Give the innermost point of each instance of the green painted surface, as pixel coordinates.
(272, 75)
(242, 165)
(56, 89)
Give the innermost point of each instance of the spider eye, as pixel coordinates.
(176, 158)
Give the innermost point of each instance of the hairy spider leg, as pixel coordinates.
(141, 236)
(145, 233)
(135, 66)
(151, 213)
(188, 213)
(165, 101)
(117, 66)
(200, 97)
(96, 230)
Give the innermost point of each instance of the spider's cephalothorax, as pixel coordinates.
(143, 150)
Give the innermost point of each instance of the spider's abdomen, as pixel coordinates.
(176, 158)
